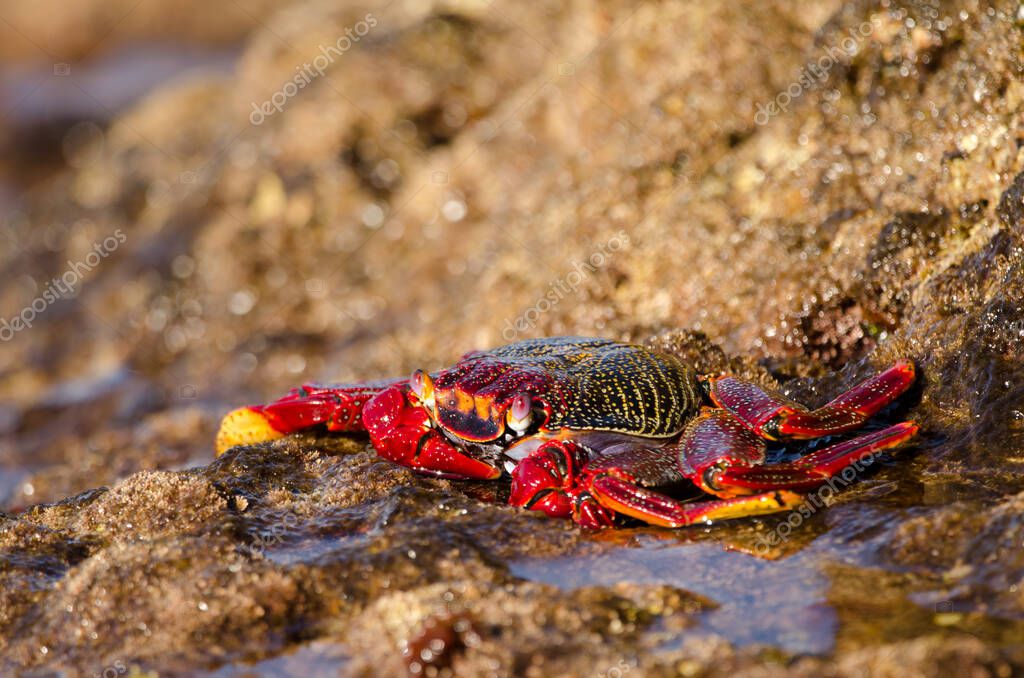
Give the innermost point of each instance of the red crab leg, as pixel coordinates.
(775, 417)
(559, 480)
(624, 481)
(563, 481)
(337, 407)
(657, 509)
(813, 470)
(748, 490)
(717, 437)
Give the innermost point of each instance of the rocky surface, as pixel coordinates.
(801, 195)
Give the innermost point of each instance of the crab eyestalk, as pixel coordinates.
(520, 413)
(423, 387)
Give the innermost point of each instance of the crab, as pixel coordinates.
(596, 430)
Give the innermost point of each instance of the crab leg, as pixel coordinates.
(657, 509)
(563, 480)
(813, 470)
(389, 411)
(717, 438)
(339, 408)
(722, 457)
(746, 488)
(776, 417)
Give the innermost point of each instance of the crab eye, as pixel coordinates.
(421, 385)
(520, 412)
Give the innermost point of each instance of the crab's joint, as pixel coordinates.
(589, 513)
(420, 444)
(770, 429)
(538, 497)
(705, 382)
(775, 428)
(711, 477)
(561, 463)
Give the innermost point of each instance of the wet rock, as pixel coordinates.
(462, 177)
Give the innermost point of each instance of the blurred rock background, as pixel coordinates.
(817, 189)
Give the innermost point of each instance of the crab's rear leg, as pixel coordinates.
(745, 486)
(813, 470)
(715, 439)
(338, 408)
(775, 417)
(723, 457)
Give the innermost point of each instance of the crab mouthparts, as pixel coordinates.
(488, 453)
(522, 449)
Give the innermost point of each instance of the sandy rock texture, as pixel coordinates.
(798, 194)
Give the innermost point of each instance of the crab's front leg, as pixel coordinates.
(389, 411)
(336, 408)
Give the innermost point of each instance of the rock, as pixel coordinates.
(460, 177)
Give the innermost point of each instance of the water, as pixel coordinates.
(791, 591)
(319, 658)
(10, 478)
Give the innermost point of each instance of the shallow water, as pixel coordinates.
(319, 658)
(10, 479)
(789, 596)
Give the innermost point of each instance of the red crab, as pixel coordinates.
(592, 428)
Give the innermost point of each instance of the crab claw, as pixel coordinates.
(537, 484)
(590, 513)
(552, 480)
(401, 432)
